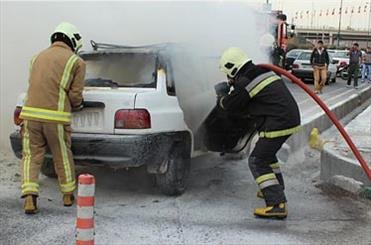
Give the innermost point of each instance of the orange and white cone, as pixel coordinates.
(85, 210)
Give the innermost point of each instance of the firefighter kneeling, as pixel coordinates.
(264, 96)
(55, 88)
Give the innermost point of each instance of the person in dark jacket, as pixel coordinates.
(262, 95)
(355, 58)
(320, 61)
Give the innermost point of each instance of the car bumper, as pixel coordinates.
(118, 151)
(303, 74)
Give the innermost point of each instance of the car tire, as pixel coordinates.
(48, 169)
(173, 181)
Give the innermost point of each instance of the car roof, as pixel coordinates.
(296, 49)
(104, 48)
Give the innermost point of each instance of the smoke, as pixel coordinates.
(202, 30)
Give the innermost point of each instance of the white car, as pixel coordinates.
(132, 118)
(291, 56)
(302, 68)
(341, 56)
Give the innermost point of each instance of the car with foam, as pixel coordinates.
(132, 117)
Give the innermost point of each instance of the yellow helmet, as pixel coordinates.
(232, 60)
(72, 33)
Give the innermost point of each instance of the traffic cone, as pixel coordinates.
(85, 210)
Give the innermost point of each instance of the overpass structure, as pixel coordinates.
(330, 36)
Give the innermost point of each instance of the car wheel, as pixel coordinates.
(48, 169)
(173, 181)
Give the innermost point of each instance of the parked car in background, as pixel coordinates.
(302, 68)
(341, 58)
(291, 57)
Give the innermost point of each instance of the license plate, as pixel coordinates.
(88, 119)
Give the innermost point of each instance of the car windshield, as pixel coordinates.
(120, 70)
(304, 56)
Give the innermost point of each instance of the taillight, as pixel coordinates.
(132, 119)
(343, 63)
(295, 66)
(17, 112)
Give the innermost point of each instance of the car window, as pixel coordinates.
(341, 55)
(304, 56)
(136, 70)
(293, 53)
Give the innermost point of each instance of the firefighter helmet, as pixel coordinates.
(232, 60)
(72, 34)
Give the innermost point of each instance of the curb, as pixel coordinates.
(366, 192)
(347, 184)
(322, 122)
(333, 164)
(351, 185)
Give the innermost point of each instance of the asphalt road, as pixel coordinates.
(216, 208)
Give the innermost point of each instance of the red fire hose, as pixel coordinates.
(329, 113)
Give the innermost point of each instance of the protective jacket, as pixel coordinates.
(55, 85)
(264, 96)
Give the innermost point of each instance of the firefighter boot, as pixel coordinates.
(259, 194)
(30, 204)
(68, 199)
(278, 211)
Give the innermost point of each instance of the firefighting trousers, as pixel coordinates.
(37, 137)
(264, 167)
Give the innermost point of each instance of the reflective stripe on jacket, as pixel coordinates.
(56, 83)
(263, 96)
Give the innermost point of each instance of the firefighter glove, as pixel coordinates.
(222, 89)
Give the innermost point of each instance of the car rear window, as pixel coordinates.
(293, 53)
(120, 70)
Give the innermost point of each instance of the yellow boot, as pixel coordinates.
(277, 211)
(30, 204)
(68, 199)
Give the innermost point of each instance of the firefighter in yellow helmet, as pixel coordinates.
(56, 82)
(262, 95)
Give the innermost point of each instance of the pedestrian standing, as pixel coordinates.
(366, 69)
(319, 61)
(56, 83)
(355, 58)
